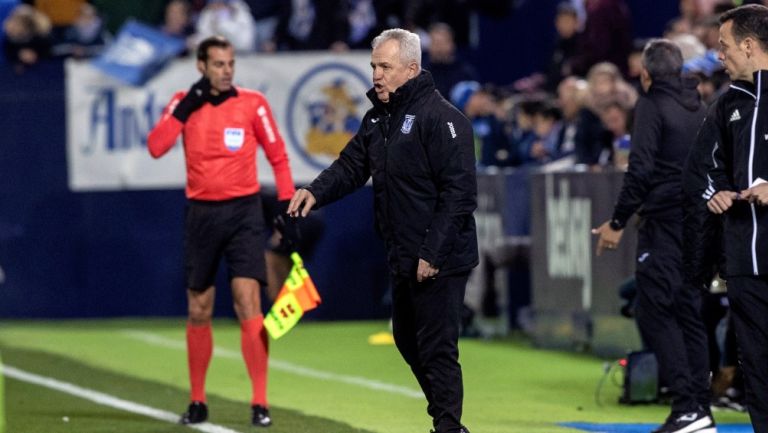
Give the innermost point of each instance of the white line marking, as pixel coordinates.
(108, 400)
(288, 367)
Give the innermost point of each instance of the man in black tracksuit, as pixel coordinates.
(738, 190)
(667, 311)
(419, 151)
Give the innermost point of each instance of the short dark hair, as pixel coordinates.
(566, 8)
(749, 20)
(213, 41)
(662, 59)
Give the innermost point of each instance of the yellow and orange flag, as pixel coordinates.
(297, 296)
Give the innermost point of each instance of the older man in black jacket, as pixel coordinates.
(419, 150)
(668, 315)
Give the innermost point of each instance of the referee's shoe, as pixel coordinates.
(699, 421)
(196, 413)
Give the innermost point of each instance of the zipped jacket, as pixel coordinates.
(739, 148)
(419, 151)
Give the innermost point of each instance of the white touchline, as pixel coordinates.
(288, 367)
(108, 400)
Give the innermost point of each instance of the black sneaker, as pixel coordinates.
(689, 422)
(196, 413)
(461, 430)
(260, 416)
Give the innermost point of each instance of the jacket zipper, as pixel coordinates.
(758, 89)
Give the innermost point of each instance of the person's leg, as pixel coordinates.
(658, 278)
(254, 341)
(199, 340)
(748, 297)
(688, 307)
(437, 316)
(404, 332)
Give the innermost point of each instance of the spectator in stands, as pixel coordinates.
(86, 37)
(116, 13)
(447, 70)
(615, 117)
(26, 38)
(229, 18)
(607, 36)
(222, 126)
(266, 15)
(567, 26)
(491, 143)
(582, 137)
(635, 64)
(178, 19)
(523, 135)
(313, 25)
(667, 310)
(546, 126)
(606, 86)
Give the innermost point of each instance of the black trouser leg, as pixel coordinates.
(668, 315)
(748, 297)
(425, 321)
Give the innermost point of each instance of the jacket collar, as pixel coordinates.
(413, 89)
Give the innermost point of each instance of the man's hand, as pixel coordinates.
(301, 203)
(722, 201)
(756, 194)
(425, 271)
(608, 238)
(198, 94)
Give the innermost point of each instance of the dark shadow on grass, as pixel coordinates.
(32, 408)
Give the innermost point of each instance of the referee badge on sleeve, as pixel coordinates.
(234, 138)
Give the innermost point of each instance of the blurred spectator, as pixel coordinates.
(523, 134)
(458, 14)
(266, 15)
(313, 25)
(607, 36)
(567, 26)
(441, 61)
(546, 126)
(86, 37)
(689, 45)
(178, 19)
(635, 64)
(491, 144)
(615, 118)
(708, 32)
(26, 37)
(582, 135)
(231, 19)
(606, 87)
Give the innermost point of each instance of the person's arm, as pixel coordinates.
(719, 193)
(451, 155)
(646, 135)
(163, 136)
(348, 173)
(274, 148)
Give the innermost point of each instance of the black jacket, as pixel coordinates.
(419, 150)
(666, 119)
(739, 148)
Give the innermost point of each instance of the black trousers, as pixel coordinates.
(748, 297)
(669, 315)
(425, 322)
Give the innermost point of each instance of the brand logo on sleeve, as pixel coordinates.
(234, 138)
(735, 115)
(407, 124)
(452, 129)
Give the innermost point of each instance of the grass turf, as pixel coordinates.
(509, 386)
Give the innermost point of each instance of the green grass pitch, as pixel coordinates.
(324, 378)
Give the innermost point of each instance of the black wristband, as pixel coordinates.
(616, 225)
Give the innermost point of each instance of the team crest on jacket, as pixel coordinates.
(407, 124)
(234, 138)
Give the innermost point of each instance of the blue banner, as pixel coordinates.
(138, 52)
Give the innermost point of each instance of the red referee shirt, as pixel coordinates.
(220, 146)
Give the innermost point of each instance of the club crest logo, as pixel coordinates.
(325, 110)
(407, 124)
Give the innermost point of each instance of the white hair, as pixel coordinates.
(410, 44)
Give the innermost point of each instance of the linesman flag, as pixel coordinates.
(297, 296)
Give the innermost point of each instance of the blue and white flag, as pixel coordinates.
(138, 52)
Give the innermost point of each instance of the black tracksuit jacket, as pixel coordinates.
(666, 121)
(419, 150)
(739, 151)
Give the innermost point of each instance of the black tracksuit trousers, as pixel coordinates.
(669, 315)
(425, 320)
(748, 298)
